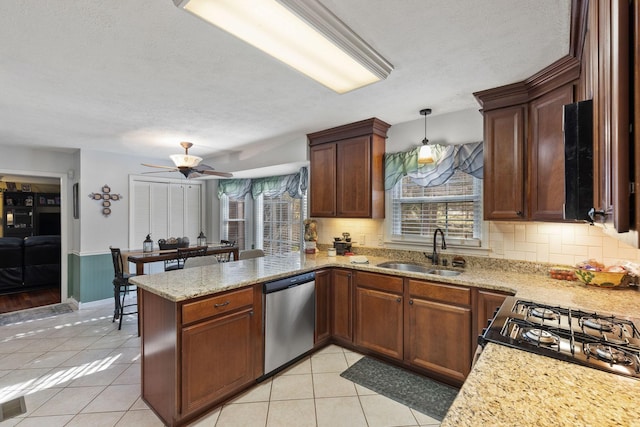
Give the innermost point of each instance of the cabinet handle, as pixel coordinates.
(519, 213)
(222, 304)
(410, 302)
(398, 299)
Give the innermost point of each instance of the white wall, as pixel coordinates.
(451, 128)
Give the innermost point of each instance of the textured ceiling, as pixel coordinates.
(141, 75)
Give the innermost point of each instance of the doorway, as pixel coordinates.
(33, 269)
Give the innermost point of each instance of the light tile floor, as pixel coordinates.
(77, 369)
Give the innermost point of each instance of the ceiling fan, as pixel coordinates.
(188, 165)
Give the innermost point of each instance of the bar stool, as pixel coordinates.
(121, 287)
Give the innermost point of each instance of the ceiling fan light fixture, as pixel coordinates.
(303, 34)
(185, 160)
(425, 155)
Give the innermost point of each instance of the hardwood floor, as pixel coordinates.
(23, 300)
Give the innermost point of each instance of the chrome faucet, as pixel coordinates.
(434, 257)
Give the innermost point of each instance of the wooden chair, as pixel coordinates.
(121, 288)
(251, 253)
(182, 255)
(225, 257)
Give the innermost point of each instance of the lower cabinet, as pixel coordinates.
(379, 313)
(486, 305)
(216, 358)
(197, 353)
(323, 310)
(438, 335)
(341, 311)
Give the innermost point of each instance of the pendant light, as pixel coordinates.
(425, 156)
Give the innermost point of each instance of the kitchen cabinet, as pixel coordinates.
(545, 154)
(216, 352)
(524, 159)
(323, 307)
(504, 133)
(438, 335)
(611, 79)
(379, 314)
(347, 170)
(341, 310)
(487, 302)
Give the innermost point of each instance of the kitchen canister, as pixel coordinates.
(331, 252)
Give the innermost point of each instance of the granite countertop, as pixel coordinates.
(509, 387)
(506, 387)
(190, 283)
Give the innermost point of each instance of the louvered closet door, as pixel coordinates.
(176, 211)
(193, 212)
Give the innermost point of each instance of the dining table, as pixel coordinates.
(140, 258)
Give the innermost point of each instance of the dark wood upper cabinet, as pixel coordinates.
(546, 155)
(504, 163)
(600, 66)
(347, 170)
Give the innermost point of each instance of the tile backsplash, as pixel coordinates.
(564, 244)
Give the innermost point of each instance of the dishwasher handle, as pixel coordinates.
(288, 282)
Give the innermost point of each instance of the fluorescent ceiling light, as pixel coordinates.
(301, 33)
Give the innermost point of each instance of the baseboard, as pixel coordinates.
(95, 304)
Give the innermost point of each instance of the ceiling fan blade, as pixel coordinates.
(216, 173)
(163, 171)
(159, 166)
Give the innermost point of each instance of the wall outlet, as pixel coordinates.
(380, 240)
(362, 240)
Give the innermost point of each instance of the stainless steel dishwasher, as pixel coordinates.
(289, 319)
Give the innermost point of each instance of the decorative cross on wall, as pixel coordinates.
(106, 197)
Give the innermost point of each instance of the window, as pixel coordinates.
(279, 220)
(454, 206)
(234, 220)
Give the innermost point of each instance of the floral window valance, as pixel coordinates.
(272, 186)
(449, 158)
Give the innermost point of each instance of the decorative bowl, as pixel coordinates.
(603, 279)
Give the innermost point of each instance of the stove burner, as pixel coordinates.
(598, 324)
(540, 336)
(544, 313)
(609, 354)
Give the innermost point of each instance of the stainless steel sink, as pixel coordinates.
(417, 268)
(406, 266)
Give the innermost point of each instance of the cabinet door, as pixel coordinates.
(504, 130)
(322, 189)
(206, 348)
(354, 177)
(342, 306)
(439, 338)
(323, 294)
(546, 155)
(379, 321)
(487, 303)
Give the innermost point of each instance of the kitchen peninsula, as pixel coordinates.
(177, 324)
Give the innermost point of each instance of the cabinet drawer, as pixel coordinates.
(440, 292)
(380, 282)
(219, 304)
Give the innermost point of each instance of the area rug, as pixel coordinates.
(417, 392)
(32, 314)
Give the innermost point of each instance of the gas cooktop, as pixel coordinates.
(597, 340)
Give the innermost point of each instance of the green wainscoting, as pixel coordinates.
(90, 277)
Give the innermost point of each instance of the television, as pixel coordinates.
(48, 224)
(578, 160)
